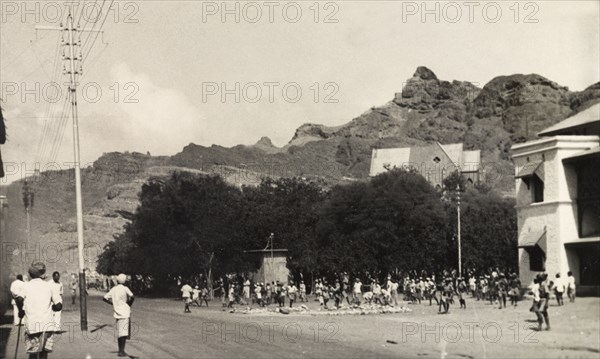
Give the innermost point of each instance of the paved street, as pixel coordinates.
(162, 330)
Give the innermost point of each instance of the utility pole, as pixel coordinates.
(458, 230)
(73, 71)
(3, 214)
(28, 204)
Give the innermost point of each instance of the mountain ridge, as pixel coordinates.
(507, 110)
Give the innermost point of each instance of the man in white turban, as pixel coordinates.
(121, 298)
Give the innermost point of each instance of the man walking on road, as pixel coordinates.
(15, 290)
(38, 300)
(571, 287)
(121, 298)
(559, 287)
(186, 294)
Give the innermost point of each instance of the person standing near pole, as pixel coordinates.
(15, 289)
(59, 288)
(38, 301)
(121, 298)
(74, 286)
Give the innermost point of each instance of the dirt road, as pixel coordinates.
(162, 330)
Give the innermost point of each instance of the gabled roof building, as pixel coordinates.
(434, 162)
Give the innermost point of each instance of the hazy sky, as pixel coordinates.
(177, 59)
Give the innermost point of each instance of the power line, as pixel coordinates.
(93, 25)
(50, 105)
(97, 33)
(60, 128)
(89, 68)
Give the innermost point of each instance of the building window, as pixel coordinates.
(537, 259)
(537, 189)
(437, 160)
(589, 220)
(588, 198)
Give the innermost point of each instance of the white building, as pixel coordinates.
(558, 201)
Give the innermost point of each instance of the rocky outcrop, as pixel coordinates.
(266, 145)
(507, 110)
(424, 92)
(523, 104)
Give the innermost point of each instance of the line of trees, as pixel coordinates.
(190, 224)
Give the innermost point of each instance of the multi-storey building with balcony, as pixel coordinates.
(558, 201)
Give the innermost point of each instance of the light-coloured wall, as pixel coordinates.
(558, 213)
(273, 270)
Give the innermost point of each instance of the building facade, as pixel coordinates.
(434, 162)
(558, 201)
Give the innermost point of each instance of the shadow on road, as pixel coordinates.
(99, 327)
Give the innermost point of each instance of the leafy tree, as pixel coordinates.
(190, 224)
(184, 226)
(488, 230)
(286, 207)
(394, 222)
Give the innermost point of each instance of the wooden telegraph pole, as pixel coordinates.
(458, 230)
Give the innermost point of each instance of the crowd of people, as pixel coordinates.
(37, 304)
(232, 292)
(444, 289)
(343, 289)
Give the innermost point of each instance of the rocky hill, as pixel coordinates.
(507, 110)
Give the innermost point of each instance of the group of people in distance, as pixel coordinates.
(193, 296)
(343, 289)
(245, 292)
(38, 304)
